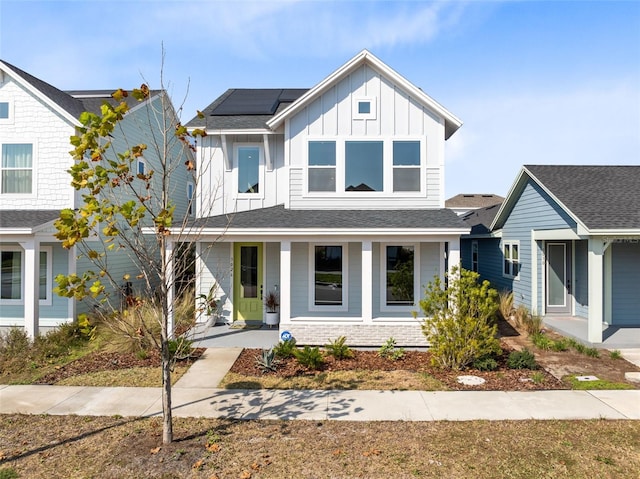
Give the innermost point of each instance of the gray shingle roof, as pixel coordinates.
(245, 108)
(26, 218)
(480, 220)
(602, 197)
(278, 217)
(473, 200)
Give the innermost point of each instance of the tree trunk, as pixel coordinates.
(167, 420)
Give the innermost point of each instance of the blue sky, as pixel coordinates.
(534, 82)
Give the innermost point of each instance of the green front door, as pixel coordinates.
(247, 281)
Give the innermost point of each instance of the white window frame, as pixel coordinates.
(474, 261)
(9, 119)
(509, 245)
(236, 169)
(387, 168)
(321, 167)
(345, 279)
(191, 203)
(48, 300)
(373, 111)
(384, 307)
(418, 167)
(34, 169)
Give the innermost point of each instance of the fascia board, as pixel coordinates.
(254, 131)
(362, 57)
(314, 232)
(37, 93)
(615, 232)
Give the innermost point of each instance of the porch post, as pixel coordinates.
(169, 281)
(367, 281)
(285, 281)
(31, 287)
(596, 301)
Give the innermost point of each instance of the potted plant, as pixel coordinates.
(271, 302)
(209, 304)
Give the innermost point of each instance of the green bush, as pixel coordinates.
(285, 349)
(309, 357)
(267, 361)
(389, 350)
(522, 360)
(459, 324)
(486, 363)
(338, 349)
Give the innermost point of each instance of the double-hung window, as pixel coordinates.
(17, 168)
(511, 250)
(399, 273)
(328, 277)
(406, 166)
(322, 166)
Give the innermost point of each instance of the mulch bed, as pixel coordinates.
(102, 361)
(502, 379)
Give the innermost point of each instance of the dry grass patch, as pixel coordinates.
(139, 377)
(366, 380)
(64, 447)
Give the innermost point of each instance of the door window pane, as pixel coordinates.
(363, 166)
(328, 276)
(10, 275)
(556, 274)
(248, 169)
(17, 166)
(249, 271)
(400, 276)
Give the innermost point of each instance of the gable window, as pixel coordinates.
(249, 169)
(363, 166)
(190, 189)
(328, 269)
(364, 108)
(322, 166)
(17, 168)
(406, 166)
(511, 253)
(474, 256)
(399, 270)
(4, 110)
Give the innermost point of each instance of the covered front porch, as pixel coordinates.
(613, 337)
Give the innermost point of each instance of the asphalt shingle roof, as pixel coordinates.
(245, 108)
(475, 200)
(602, 197)
(26, 218)
(277, 217)
(480, 220)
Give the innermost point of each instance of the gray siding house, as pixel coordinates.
(566, 241)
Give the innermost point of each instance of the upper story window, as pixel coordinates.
(17, 168)
(250, 170)
(511, 259)
(364, 108)
(406, 166)
(322, 166)
(4, 110)
(190, 190)
(365, 166)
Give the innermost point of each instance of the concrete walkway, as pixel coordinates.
(195, 395)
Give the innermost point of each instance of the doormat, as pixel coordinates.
(246, 325)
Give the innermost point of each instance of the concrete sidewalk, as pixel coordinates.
(196, 395)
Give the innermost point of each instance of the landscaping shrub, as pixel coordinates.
(459, 322)
(309, 357)
(267, 361)
(338, 349)
(505, 304)
(486, 363)
(522, 360)
(389, 350)
(285, 349)
(531, 323)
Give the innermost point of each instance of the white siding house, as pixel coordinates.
(36, 123)
(333, 197)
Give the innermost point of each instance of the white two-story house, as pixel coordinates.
(333, 197)
(36, 123)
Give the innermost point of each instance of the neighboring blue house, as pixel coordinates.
(36, 123)
(566, 241)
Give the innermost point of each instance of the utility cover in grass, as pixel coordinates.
(586, 378)
(471, 380)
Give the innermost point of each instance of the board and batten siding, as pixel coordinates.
(398, 116)
(533, 210)
(625, 285)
